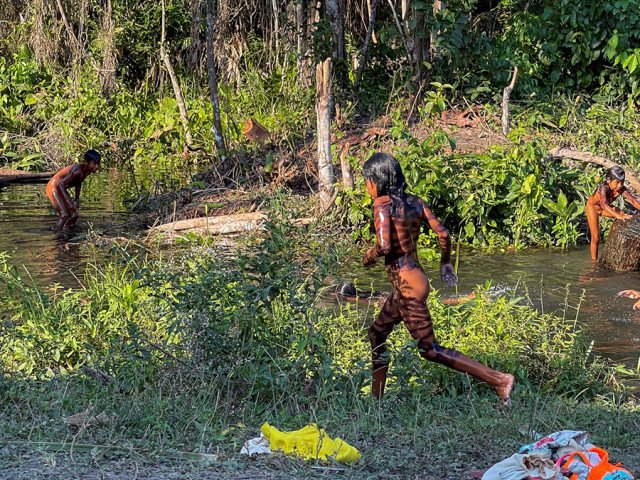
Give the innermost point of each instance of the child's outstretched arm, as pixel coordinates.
(631, 199)
(382, 223)
(612, 211)
(447, 272)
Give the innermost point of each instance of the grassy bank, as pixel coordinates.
(199, 349)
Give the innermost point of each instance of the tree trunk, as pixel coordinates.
(420, 48)
(345, 167)
(109, 58)
(371, 13)
(301, 43)
(326, 186)
(213, 80)
(367, 43)
(622, 247)
(195, 48)
(438, 6)
(177, 91)
(332, 9)
(506, 95)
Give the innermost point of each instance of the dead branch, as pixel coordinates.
(596, 160)
(177, 91)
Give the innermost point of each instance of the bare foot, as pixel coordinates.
(504, 389)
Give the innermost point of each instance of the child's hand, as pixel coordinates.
(448, 275)
(627, 217)
(630, 294)
(366, 261)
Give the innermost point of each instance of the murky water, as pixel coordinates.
(554, 281)
(26, 217)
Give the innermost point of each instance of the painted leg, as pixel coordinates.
(594, 229)
(418, 321)
(379, 330)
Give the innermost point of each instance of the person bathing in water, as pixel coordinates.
(70, 176)
(398, 218)
(600, 204)
(635, 294)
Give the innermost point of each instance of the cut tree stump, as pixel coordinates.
(622, 248)
(7, 177)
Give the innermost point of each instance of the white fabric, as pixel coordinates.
(520, 467)
(256, 446)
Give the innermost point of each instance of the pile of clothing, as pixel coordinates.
(563, 455)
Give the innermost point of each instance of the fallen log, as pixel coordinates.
(8, 177)
(596, 160)
(622, 247)
(223, 224)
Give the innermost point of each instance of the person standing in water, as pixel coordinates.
(398, 217)
(600, 204)
(70, 176)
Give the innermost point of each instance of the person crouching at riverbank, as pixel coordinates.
(397, 219)
(600, 204)
(70, 176)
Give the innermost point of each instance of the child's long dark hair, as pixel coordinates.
(384, 171)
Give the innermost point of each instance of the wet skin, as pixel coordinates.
(68, 177)
(397, 238)
(600, 204)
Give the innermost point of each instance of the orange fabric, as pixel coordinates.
(597, 472)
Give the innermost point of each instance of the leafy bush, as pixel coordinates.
(257, 319)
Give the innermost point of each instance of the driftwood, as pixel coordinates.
(622, 247)
(223, 224)
(596, 160)
(8, 177)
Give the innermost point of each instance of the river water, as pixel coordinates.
(26, 217)
(553, 280)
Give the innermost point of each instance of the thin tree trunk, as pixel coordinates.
(404, 14)
(371, 13)
(438, 6)
(213, 80)
(177, 91)
(326, 186)
(73, 40)
(345, 167)
(367, 43)
(301, 44)
(506, 94)
(332, 8)
(401, 31)
(195, 48)
(420, 48)
(109, 58)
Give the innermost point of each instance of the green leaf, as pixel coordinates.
(562, 201)
(30, 99)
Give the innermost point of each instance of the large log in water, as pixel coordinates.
(223, 224)
(8, 177)
(622, 248)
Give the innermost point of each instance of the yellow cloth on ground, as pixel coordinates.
(310, 442)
